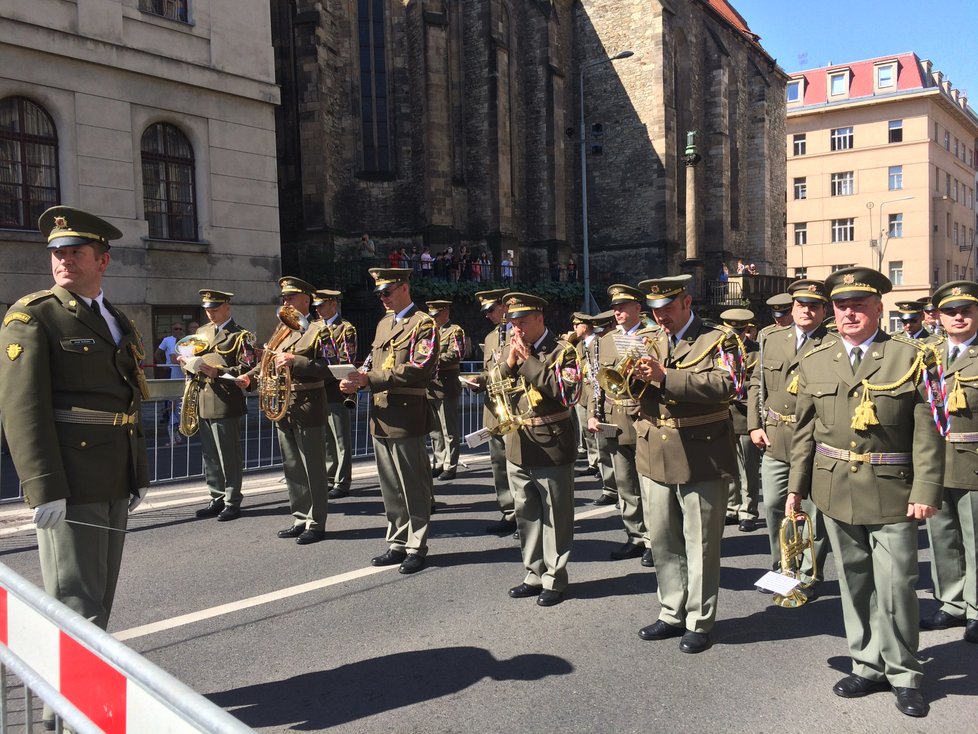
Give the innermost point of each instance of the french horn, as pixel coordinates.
(193, 347)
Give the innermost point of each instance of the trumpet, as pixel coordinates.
(350, 401)
(795, 542)
(503, 394)
(193, 346)
(616, 381)
(275, 393)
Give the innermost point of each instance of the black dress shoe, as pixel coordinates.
(604, 500)
(524, 590)
(447, 475)
(549, 597)
(390, 558)
(660, 631)
(910, 702)
(435, 506)
(591, 471)
(747, 526)
(628, 550)
(855, 686)
(435, 471)
(941, 620)
(231, 512)
(213, 509)
(501, 527)
(647, 560)
(293, 532)
(337, 493)
(516, 535)
(311, 536)
(412, 564)
(730, 520)
(971, 631)
(694, 642)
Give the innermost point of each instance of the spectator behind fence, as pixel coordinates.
(367, 247)
(506, 268)
(426, 261)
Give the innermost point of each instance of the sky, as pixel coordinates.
(809, 35)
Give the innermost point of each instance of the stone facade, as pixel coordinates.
(104, 71)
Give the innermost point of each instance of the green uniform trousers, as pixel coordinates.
(405, 485)
(545, 520)
(629, 492)
(606, 466)
(444, 436)
(589, 440)
(745, 489)
(952, 533)
(774, 485)
(500, 479)
(80, 564)
(302, 455)
(339, 461)
(685, 524)
(220, 439)
(877, 566)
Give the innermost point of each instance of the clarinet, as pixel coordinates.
(350, 401)
(595, 385)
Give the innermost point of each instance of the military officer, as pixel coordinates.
(932, 321)
(301, 432)
(444, 391)
(953, 529)
(781, 307)
(220, 403)
(911, 318)
(403, 358)
(339, 342)
(540, 454)
(685, 456)
(865, 448)
(592, 404)
(583, 330)
(621, 409)
(771, 417)
(492, 307)
(70, 393)
(745, 487)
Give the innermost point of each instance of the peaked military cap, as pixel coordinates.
(581, 318)
(738, 318)
(66, 226)
(955, 294)
(384, 277)
(603, 319)
(520, 304)
(211, 298)
(662, 291)
(927, 304)
(325, 294)
(808, 291)
(856, 283)
(436, 306)
(621, 293)
(490, 299)
(909, 310)
(291, 285)
(780, 303)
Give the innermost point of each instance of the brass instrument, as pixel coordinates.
(795, 542)
(616, 381)
(193, 345)
(275, 393)
(350, 401)
(503, 394)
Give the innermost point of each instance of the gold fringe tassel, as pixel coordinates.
(956, 400)
(793, 385)
(865, 415)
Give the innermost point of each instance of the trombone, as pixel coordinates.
(795, 542)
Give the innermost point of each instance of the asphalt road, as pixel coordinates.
(446, 650)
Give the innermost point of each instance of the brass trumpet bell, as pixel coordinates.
(191, 345)
(795, 542)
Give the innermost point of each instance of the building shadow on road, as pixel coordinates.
(324, 699)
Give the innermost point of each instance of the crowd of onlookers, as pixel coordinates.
(742, 269)
(451, 264)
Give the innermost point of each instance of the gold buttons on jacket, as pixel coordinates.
(84, 444)
(663, 437)
(852, 444)
(853, 469)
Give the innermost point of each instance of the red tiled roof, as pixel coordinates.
(735, 19)
(861, 80)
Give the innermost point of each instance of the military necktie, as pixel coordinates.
(955, 350)
(857, 359)
(99, 315)
(801, 343)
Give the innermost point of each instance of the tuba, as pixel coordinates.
(275, 383)
(193, 345)
(616, 381)
(795, 542)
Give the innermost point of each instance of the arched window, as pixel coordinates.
(168, 183)
(28, 163)
(374, 113)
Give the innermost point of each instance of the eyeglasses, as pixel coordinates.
(178, 328)
(386, 293)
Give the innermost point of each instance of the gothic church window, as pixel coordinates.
(28, 163)
(169, 200)
(374, 98)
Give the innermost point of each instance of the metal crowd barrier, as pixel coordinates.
(91, 681)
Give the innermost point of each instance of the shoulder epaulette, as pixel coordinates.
(821, 348)
(772, 329)
(918, 344)
(35, 297)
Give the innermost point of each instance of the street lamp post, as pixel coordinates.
(881, 244)
(590, 306)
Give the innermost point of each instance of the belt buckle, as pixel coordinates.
(864, 458)
(667, 423)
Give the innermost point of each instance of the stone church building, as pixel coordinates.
(448, 123)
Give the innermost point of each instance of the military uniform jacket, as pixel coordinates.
(780, 370)
(550, 443)
(400, 373)
(339, 346)
(697, 386)
(490, 351)
(623, 411)
(961, 452)
(221, 398)
(444, 382)
(586, 353)
(739, 407)
(855, 492)
(56, 354)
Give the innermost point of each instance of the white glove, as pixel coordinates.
(50, 514)
(135, 499)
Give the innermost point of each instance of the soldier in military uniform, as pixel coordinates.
(771, 417)
(444, 391)
(403, 359)
(220, 403)
(621, 410)
(583, 331)
(685, 457)
(592, 404)
(781, 307)
(932, 320)
(911, 317)
(301, 432)
(953, 529)
(70, 394)
(540, 454)
(339, 340)
(865, 448)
